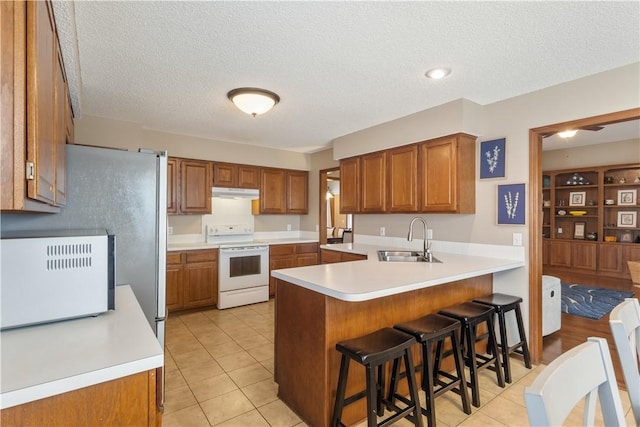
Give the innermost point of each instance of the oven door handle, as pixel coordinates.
(245, 248)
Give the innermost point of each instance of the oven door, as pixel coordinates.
(243, 267)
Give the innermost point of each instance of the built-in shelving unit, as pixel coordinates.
(591, 218)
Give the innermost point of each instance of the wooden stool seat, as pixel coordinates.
(374, 351)
(503, 303)
(430, 329)
(470, 315)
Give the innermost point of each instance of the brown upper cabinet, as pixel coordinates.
(188, 186)
(39, 121)
(431, 176)
(236, 176)
(373, 183)
(403, 179)
(350, 185)
(283, 191)
(448, 174)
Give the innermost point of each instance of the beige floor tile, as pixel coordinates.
(242, 333)
(169, 363)
(192, 358)
(212, 387)
(278, 414)
(248, 419)
(262, 392)
(488, 381)
(183, 345)
(192, 416)
(263, 352)
(201, 371)
(506, 412)
(235, 361)
(253, 341)
(479, 419)
(268, 364)
(174, 380)
(249, 375)
(177, 399)
(226, 407)
(223, 349)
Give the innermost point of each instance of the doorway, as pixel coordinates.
(535, 228)
(333, 223)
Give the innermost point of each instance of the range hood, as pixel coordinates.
(235, 193)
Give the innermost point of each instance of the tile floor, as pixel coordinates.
(219, 372)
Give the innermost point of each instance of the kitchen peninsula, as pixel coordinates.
(318, 306)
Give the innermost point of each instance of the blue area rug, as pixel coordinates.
(590, 302)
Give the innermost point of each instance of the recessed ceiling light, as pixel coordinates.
(567, 134)
(437, 73)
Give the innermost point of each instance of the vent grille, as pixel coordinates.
(69, 256)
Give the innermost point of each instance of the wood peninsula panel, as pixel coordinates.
(306, 362)
(127, 401)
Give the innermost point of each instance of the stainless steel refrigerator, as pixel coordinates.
(124, 192)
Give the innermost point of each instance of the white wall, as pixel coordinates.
(611, 153)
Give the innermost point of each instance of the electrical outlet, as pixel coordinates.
(382, 231)
(429, 233)
(169, 230)
(517, 239)
(288, 227)
(559, 230)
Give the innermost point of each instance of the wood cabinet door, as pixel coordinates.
(560, 253)
(610, 258)
(172, 185)
(438, 167)
(374, 181)
(545, 252)
(583, 255)
(329, 257)
(350, 185)
(60, 128)
(199, 284)
(195, 186)
(629, 253)
(276, 263)
(248, 176)
(303, 260)
(273, 187)
(297, 189)
(403, 179)
(41, 148)
(225, 175)
(174, 293)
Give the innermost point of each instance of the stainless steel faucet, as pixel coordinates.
(426, 251)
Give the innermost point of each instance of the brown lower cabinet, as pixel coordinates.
(328, 256)
(289, 256)
(126, 401)
(597, 258)
(192, 279)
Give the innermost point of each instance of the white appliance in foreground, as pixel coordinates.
(551, 307)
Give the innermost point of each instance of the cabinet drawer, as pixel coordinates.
(277, 250)
(306, 248)
(174, 257)
(202, 256)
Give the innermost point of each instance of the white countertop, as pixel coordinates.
(188, 246)
(46, 360)
(369, 279)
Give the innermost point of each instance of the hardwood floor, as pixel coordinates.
(575, 329)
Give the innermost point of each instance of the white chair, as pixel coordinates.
(585, 372)
(624, 321)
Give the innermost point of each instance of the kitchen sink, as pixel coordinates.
(404, 256)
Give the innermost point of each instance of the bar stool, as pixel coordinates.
(428, 330)
(502, 304)
(472, 314)
(374, 351)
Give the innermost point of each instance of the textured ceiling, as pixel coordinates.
(338, 67)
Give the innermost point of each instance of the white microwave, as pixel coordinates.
(55, 275)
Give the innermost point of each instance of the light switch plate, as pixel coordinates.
(517, 239)
(382, 231)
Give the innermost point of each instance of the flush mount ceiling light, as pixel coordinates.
(437, 73)
(252, 100)
(567, 133)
